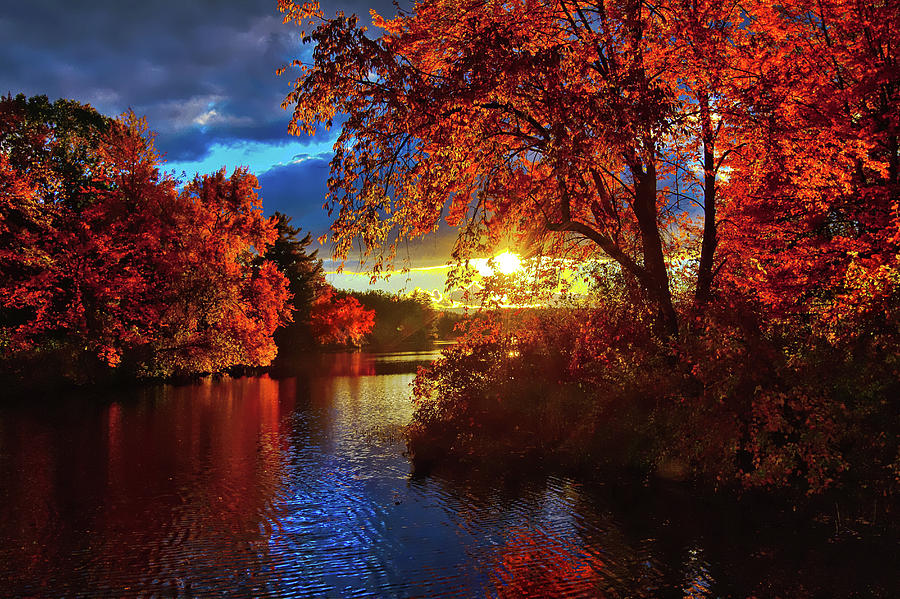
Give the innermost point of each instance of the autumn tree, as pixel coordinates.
(812, 244)
(106, 264)
(221, 306)
(815, 236)
(339, 319)
(557, 121)
(53, 144)
(72, 274)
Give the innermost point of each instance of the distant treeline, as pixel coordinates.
(406, 320)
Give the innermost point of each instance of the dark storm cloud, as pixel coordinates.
(298, 190)
(202, 71)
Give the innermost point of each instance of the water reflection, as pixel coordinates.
(297, 486)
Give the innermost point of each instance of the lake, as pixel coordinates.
(298, 487)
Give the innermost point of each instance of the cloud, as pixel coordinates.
(201, 71)
(298, 190)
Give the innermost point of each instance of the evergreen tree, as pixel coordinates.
(306, 280)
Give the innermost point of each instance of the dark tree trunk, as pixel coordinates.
(710, 239)
(657, 276)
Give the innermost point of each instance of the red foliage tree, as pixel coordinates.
(336, 320)
(817, 179)
(123, 266)
(558, 121)
(221, 309)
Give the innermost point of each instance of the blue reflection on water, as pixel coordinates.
(259, 487)
(350, 522)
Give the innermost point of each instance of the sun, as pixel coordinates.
(507, 263)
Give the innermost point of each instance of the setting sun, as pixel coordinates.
(507, 263)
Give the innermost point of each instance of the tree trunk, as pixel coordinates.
(657, 280)
(710, 240)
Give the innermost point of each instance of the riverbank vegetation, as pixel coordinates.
(111, 268)
(736, 165)
(407, 320)
(591, 387)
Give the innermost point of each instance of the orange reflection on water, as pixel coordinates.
(34, 501)
(534, 564)
(190, 472)
(353, 364)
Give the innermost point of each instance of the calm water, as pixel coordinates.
(260, 487)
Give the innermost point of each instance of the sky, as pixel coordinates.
(203, 74)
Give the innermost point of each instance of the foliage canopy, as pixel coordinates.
(656, 134)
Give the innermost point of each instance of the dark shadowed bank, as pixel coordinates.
(808, 426)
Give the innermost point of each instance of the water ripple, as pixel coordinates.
(298, 487)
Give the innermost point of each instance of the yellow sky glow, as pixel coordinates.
(433, 279)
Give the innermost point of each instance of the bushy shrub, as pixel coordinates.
(729, 403)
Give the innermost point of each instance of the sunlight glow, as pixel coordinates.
(507, 263)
